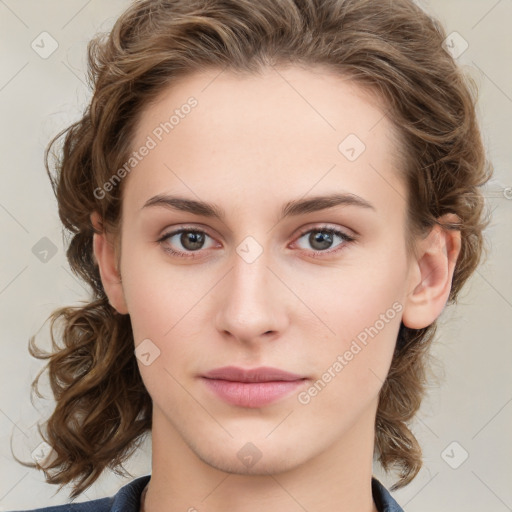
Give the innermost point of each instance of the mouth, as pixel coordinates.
(251, 388)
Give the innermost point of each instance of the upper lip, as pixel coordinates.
(260, 374)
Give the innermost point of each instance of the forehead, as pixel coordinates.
(285, 130)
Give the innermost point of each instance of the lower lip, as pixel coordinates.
(252, 394)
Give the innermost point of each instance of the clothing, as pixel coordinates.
(127, 499)
(383, 500)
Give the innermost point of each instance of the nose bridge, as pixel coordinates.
(252, 304)
(250, 278)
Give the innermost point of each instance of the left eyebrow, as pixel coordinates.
(316, 203)
(290, 209)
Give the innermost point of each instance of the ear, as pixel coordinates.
(106, 257)
(431, 275)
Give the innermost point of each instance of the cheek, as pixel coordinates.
(162, 303)
(361, 309)
(351, 367)
(347, 300)
(158, 294)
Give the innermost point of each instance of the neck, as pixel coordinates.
(338, 479)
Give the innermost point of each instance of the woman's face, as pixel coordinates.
(281, 159)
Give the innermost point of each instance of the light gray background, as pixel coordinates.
(469, 404)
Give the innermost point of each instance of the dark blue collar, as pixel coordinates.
(127, 499)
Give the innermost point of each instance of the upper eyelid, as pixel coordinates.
(326, 227)
(319, 227)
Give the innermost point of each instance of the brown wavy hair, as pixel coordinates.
(393, 49)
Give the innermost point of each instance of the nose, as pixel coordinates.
(252, 303)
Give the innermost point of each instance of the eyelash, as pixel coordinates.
(347, 239)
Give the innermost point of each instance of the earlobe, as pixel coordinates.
(431, 275)
(105, 255)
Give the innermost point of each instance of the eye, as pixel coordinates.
(191, 240)
(321, 239)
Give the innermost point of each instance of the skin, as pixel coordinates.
(253, 143)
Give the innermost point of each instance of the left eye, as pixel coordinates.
(321, 239)
(193, 240)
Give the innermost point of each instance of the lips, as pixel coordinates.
(255, 387)
(261, 374)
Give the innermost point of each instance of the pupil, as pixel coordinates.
(192, 241)
(322, 237)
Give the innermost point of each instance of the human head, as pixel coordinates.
(395, 53)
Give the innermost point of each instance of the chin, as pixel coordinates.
(247, 454)
(264, 462)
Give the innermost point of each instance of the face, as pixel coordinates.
(279, 278)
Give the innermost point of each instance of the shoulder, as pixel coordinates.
(127, 499)
(383, 499)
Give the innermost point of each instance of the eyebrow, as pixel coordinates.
(290, 209)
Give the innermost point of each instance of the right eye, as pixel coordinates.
(191, 241)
